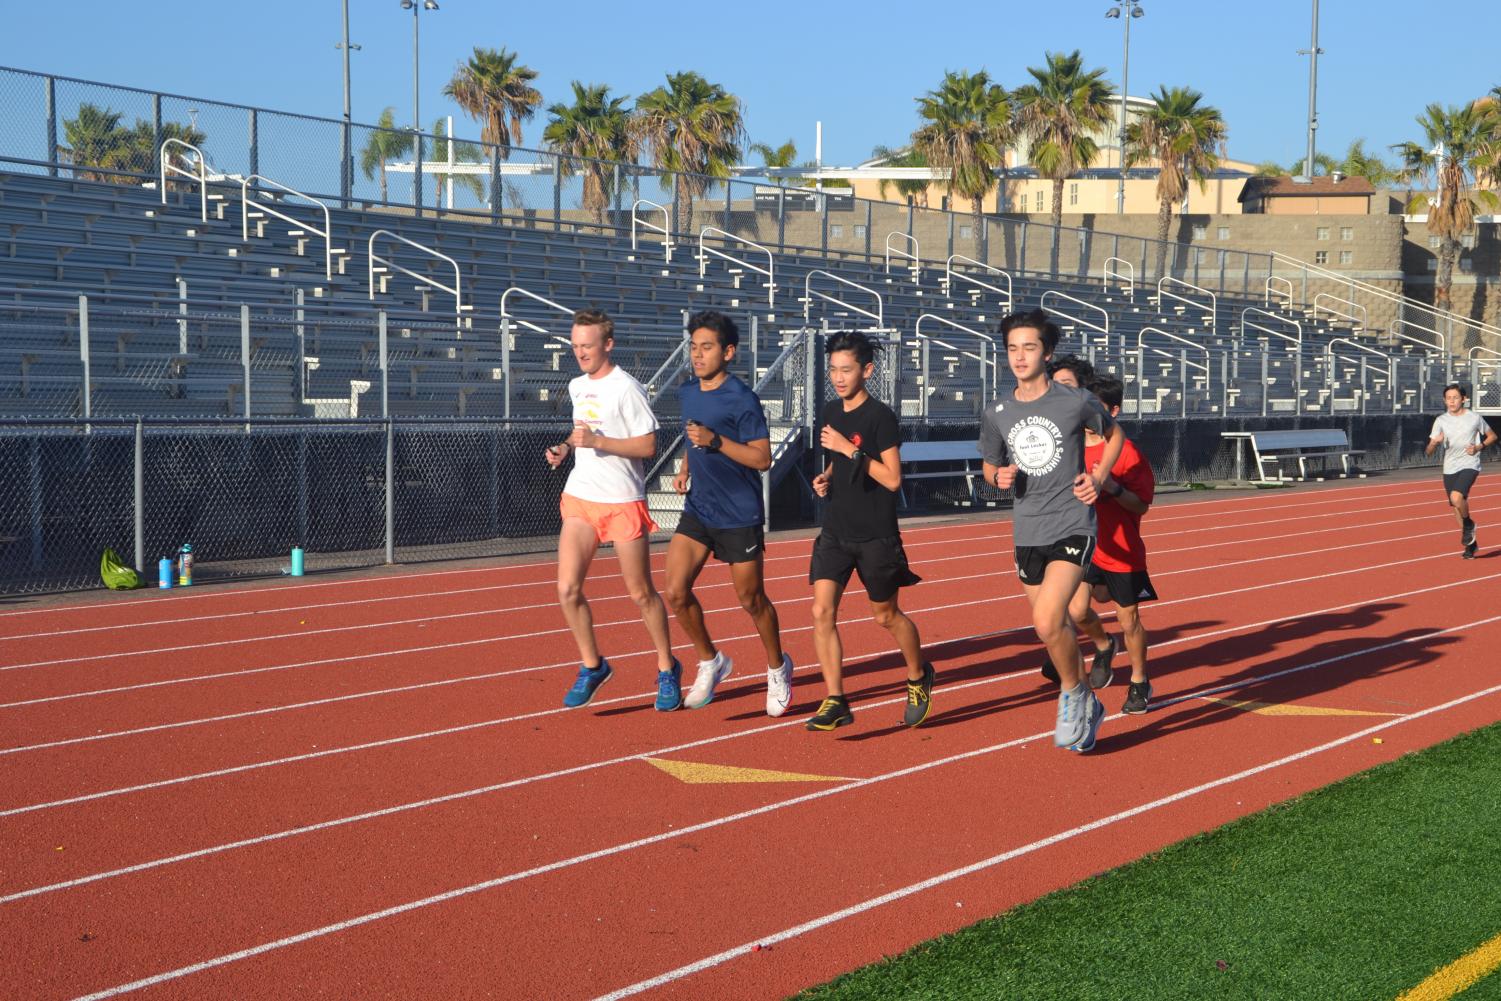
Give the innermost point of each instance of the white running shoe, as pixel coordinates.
(779, 687)
(710, 674)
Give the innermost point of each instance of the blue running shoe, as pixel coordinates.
(1094, 712)
(588, 682)
(670, 688)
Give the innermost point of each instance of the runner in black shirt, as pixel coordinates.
(860, 534)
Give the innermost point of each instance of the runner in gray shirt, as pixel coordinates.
(1032, 442)
(1463, 433)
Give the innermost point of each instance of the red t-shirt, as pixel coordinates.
(1119, 548)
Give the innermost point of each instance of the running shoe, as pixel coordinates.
(1094, 712)
(919, 697)
(670, 688)
(1049, 671)
(1467, 533)
(779, 687)
(587, 683)
(1471, 550)
(833, 713)
(1072, 721)
(1100, 674)
(710, 674)
(1137, 697)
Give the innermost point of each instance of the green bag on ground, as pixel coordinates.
(117, 576)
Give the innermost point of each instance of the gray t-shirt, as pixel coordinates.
(1459, 432)
(1045, 438)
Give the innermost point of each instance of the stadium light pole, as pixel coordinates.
(346, 169)
(1127, 11)
(1312, 52)
(417, 8)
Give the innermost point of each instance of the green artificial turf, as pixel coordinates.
(1359, 890)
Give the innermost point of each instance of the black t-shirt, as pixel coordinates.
(860, 509)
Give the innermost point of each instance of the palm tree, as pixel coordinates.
(595, 128)
(462, 153)
(1269, 168)
(386, 143)
(496, 91)
(95, 138)
(694, 127)
(1459, 144)
(967, 126)
(908, 188)
(1060, 114)
(1359, 163)
(1182, 135)
(783, 156)
(1323, 165)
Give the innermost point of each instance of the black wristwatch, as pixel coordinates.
(856, 455)
(714, 443)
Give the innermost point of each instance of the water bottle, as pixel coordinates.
(185, 566)
(164, 575)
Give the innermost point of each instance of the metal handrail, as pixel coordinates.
(1244, 322)
(201, 176)
(518, 290)
(1267, 297)
(777, 363)
(658, 378)
(458, 281)
(949, 274)
(1183, 383)
(1363, 319)
(1470, 354)
(1214, 300)
(704, 250)
(1107, 273)
(1105, 329)
(328, 227)
(915, 257)
(1391, 370)
(665, 229)
(988, 366)
(808, 293)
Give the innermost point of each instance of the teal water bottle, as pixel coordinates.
(185, 565)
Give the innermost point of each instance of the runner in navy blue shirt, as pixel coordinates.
(728, 448)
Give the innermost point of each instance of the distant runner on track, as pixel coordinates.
(1464, 434)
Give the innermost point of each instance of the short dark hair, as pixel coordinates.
(595, 318)
(853, 340)
(1082, 369)
(1108, 388)
(712, 319)
(1462, 391)
(1034, 319)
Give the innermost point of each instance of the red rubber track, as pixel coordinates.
(367, 787)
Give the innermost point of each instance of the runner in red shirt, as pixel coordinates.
(1119, 569)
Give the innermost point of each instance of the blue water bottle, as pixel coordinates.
(297, 561)
(185, 566)
(164, 574)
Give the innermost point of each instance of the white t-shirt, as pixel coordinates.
(616, 407)
(1459, 431)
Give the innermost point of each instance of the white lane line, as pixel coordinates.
(460, 728)
(768, 808)
(474, 613)
(242, 672)
(159, 727)
(774, 938)
(994, 531)
(595, 765)
(607, 557)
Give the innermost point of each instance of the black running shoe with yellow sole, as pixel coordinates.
(833, 713)
(919, 697)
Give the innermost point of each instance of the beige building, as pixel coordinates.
(1333, 195)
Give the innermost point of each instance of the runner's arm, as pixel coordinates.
(1125, 498)
(1115, 440)
(886, 469)
(752, 454)
(641, 446)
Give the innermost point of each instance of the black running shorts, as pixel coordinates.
(881, 563)
(731, 545)
(1125, 588)
(1032, 561)
(1460, 482)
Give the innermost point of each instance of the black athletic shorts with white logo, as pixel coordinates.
(1460, 482)
(881, 563)
(732, 545)
(1032, 561)
(1126, 588)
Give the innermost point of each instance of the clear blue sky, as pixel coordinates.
(849, 65)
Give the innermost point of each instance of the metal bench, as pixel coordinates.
(1270, 448)
(960, 458)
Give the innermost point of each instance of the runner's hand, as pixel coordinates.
(698, 435)
(555, 455)
(582, 437)
(836, 442)
(680, 481)
(1472, 450)
(1005, 477)
(821, 483)
(1086, 489)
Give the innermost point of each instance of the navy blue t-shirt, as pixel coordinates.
(722, 493)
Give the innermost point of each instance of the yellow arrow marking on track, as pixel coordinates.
(1288, 709)
(695, 773)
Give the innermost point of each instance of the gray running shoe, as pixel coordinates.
(1099, 669)
(1094, 712)
(1073, 719)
